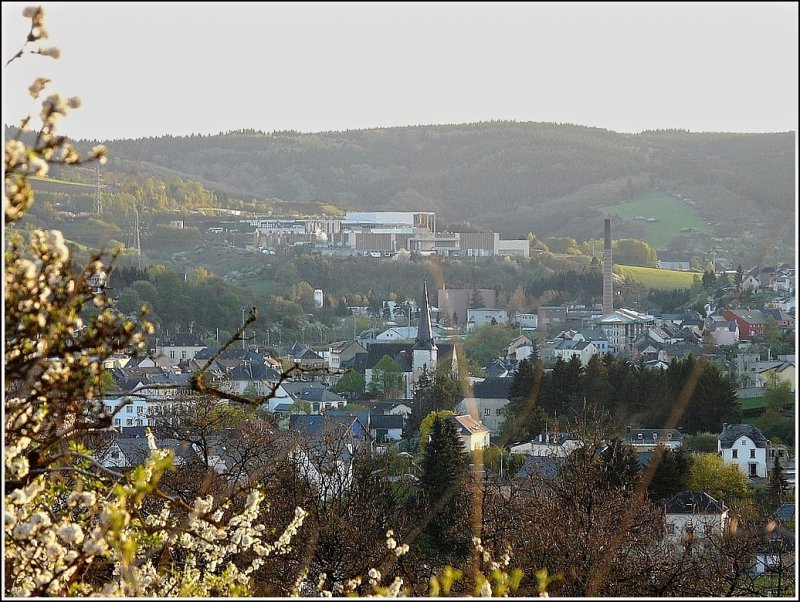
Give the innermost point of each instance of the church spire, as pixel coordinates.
(424, 338)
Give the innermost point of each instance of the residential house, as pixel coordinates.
(473, 433)
(519, 349)
(180, 346)
(344, 358)
(325, 450)
(488, 402)
(386, 427)
(549, 443)
(746, 447)
(724, 332)
(780, 371)
(583, 350)
(317, 396)
(751, 321)
(398, 333)
(691, 517)
(644, 439)
(306, 358)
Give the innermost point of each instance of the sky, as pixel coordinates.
(150, 69)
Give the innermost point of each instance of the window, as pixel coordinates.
(752, 453)
(139, 410)
(753, 470)
(671, 528)
(639, 436)
(183, 355)
(115, 454)
(172, 354)
(116, 422)
(735, 453)
(129, 422)
(129, 409)
(744, 441)
(486, 411)
(108, 409)
(499, 412)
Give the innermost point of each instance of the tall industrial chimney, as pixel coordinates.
(608, 279)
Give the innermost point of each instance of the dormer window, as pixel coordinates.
(669, 436)
(639, 436)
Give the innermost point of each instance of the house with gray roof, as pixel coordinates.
(643, 439)
(746, 447)
(692, 517)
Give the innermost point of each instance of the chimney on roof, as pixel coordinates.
(628, 429)
(724, 426)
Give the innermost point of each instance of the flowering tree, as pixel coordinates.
(72, 526)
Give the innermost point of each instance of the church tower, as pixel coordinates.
(425, 352)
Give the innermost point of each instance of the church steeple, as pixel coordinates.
(424, 338)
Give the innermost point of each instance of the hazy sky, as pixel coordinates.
(146, 69)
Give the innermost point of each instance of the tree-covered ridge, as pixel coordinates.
(490, 173)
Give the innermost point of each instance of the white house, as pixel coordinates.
(473, 433)
(386, 427)
(583, 350)
(746, 447)
(181, 346)
(550, 443)
(692, 516)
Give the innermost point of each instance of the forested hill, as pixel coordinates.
(511, 177)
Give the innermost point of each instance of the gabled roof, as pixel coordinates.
(496, 369)
(693, 502)
(385, 421)
(248, 371)
(541, 466)
(749, 316)
(492, 388)
(316, 424)
(732, 432)
(183, 339)
(467, 425)
(647, 435)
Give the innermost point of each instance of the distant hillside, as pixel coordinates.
(511, 177)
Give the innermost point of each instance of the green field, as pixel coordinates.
(671, 215)
(749, 403)
(657, 278)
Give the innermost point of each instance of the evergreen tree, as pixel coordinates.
(670, 473)
(619, 467)
(524, 416)
(777, 483)
(444, 460)
(443, 466)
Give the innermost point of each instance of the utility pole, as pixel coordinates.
(98, 200)
(138, 240)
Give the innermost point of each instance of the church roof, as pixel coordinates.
(424, 338)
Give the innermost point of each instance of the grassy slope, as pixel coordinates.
(657, 278)
(672, 215)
